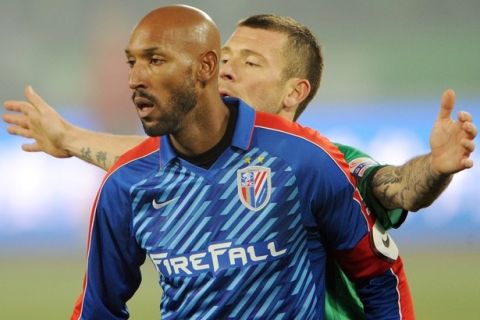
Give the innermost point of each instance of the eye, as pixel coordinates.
(156, 61)
(251, 64)
(130, 62)
(223, 61)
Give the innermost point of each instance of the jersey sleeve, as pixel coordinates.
(363, 168)
(113, 257)
(355, 240)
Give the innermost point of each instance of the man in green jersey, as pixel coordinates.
(275, 64)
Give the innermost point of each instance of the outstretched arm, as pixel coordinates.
(35, 119)
(417, 183)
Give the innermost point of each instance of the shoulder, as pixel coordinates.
(134, 164)
(282, 126)
(142, 150)
(300, 144)
(358, 161)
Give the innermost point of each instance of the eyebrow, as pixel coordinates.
(145, 51)
(244, 52)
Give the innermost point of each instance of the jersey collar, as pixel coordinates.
(241, 137)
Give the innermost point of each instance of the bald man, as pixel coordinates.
(236, 224)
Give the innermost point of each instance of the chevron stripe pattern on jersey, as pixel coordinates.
(208, 239)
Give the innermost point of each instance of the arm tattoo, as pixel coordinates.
(411, 186)
(102, 158)
(382, 183)
(86, 154)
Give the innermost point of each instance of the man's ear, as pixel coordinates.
(297, 91)
(208, 66)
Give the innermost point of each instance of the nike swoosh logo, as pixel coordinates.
(159, 205)
(386, 242)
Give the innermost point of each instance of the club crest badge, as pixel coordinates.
(254, 187)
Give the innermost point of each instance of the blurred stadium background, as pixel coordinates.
(387, 64)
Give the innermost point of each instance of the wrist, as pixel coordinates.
(68, 139)
(436, 169)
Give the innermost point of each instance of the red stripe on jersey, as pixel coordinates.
(269, 121)
(362, 262)
(405, 302)
(145, 148)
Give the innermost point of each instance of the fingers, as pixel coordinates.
(467, 124)
(470, 128)
(447, 104)
(467, 163)
(16, 119)
(18, 106)
(31, 147)
(464, 116)
(18, 131)
(468, 145)
(34, 98)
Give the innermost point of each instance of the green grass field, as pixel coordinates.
(444, 285)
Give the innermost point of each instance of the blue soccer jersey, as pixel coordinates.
(245, 239)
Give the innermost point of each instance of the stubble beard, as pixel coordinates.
(182, 101)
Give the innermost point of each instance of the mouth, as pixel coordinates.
(144, 106)
(225, 94)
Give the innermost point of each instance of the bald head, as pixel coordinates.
(192, 24)
(187, 32)
(179, 27)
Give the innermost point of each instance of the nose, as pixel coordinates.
(227, 71)
(136, 77)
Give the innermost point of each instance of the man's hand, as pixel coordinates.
(35, 119)
(451, 141)
(418, 182)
